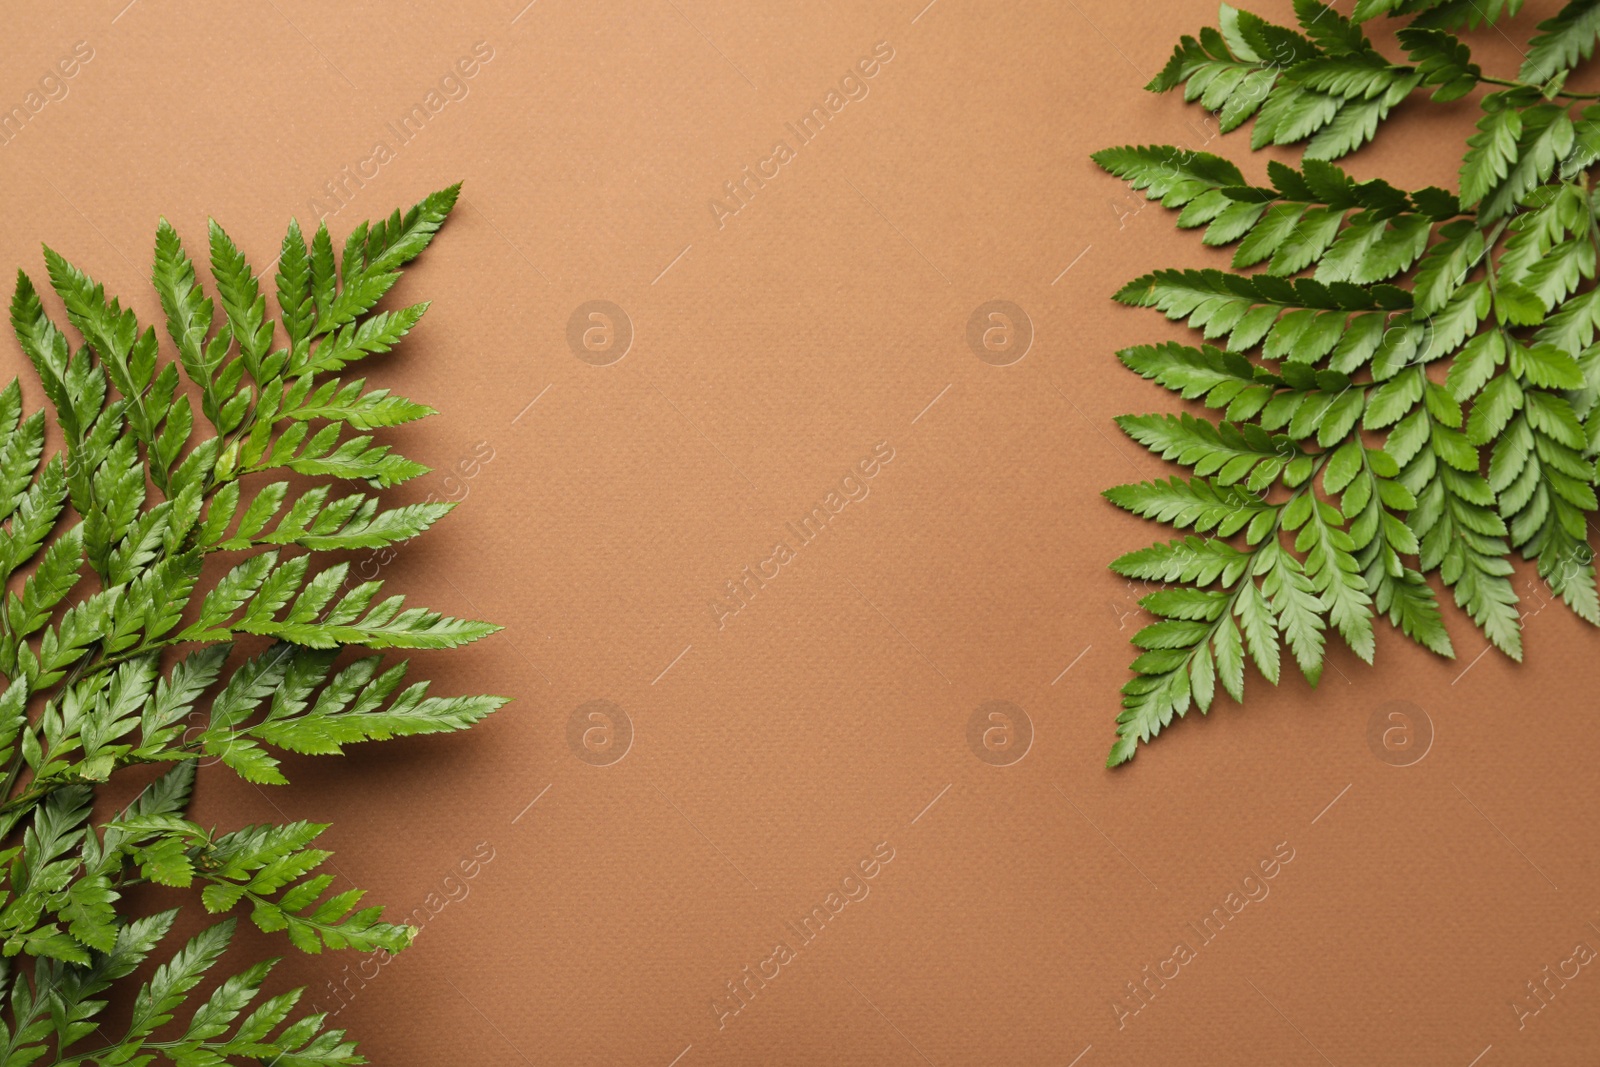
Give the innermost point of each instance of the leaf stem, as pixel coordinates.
(1512, 84)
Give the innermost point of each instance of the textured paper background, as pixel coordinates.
(605, 507)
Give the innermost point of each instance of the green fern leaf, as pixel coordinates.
(1563, 42)
(83, 647)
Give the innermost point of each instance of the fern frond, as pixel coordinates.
(87, 632)
(1319, 361)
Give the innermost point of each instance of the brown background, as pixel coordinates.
(770, 355)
